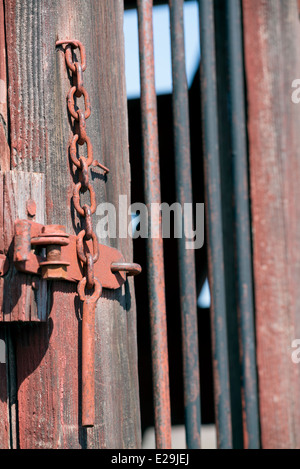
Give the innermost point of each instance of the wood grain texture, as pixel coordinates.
(48, 355)
(20, 301)
(4, 131)
(272, 34)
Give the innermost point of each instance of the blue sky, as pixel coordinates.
(162, 48)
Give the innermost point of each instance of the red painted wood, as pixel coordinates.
(272, 35)
(48, 356)
(4, 148)
(47, 363)
(24, 296)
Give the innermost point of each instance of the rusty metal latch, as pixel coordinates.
(47, 250)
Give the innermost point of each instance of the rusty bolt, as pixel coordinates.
(54, 272)
(31, 208)
(54, 268)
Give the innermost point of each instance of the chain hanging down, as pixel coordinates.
(89, 281)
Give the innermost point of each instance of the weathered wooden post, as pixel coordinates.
(40, 385)
(272, 35)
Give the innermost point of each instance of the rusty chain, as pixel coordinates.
(82, 164)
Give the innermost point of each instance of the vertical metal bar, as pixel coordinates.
(88, 363)
(228, 217)
(186, 257)
(156, 280)
(215, 225)
(242, 229)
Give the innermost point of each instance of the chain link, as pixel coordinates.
(82, 164)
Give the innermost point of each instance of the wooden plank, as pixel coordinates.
(4, 165)
(4, 147)
(272, 35)
(48, 357)
(22, 301)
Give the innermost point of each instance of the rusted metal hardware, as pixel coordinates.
(89, 260)
(215, 223)
(81, 163)
(89, 254)
(186, 258)
(88, 349)
(131, 269)
(156, 274)
(242, 225)
(50, 252)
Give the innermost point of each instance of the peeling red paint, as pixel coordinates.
(48, 368)
(4, 125)
(26, 133)
(273, 128)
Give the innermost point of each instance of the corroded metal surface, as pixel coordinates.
(214, 222)
(87, 258)
(88, 350)
(186, 257)
(109, 264)
(156, 275)
(242, 227)
(131, 269)
(82, 164)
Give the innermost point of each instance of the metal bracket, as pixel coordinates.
(47, 250)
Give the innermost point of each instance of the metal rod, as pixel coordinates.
(215, 225)
(131, 269)
(242, 229)
(186, 257)
(88, 364)
(88, 350)
(156, 276)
